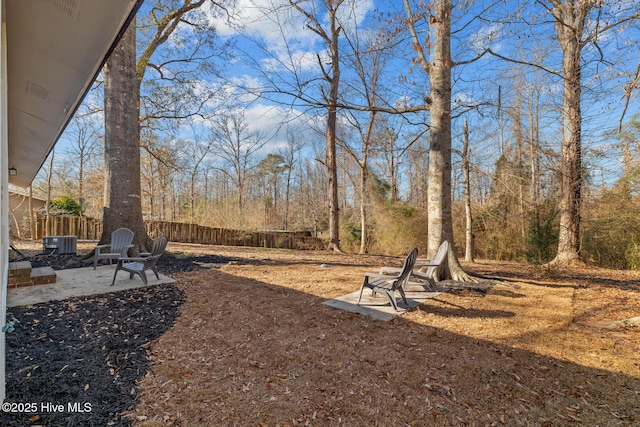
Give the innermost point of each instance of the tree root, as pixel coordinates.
(455, 271)
(463, 276)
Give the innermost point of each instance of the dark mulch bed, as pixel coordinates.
(168, 264)
(85, 351)
(88, 351)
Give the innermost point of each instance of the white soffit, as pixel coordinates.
(55, 48)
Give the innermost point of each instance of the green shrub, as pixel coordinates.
(66, 205)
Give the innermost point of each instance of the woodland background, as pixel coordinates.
(209, 158)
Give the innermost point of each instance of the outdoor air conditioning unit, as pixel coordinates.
(60, 244)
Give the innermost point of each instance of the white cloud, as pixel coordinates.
(354, 12)
(267, 19)
(274, 123)
(486, 37)
(283, 31)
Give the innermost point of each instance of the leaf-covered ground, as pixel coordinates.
(244, 340)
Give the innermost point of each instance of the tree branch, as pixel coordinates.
(531, 64)
(416, 42)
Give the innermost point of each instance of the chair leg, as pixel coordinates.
(155, 270)
(143, 275)
(392, 299)
(114, 274)
(365, 282)
(404, 297)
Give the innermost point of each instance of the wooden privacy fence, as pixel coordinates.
(83, 227)
(193, 233)
(91, 229)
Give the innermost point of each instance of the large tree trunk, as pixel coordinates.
(570, 19)
(332, 170)
(439, 184)
(440, 221)
(122, 202)
(332, 101)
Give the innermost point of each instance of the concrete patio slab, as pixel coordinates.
(79, 282)
(378, 307)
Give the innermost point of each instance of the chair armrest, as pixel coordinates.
(381, 276)
(102, 246)
(425, 263)
(131, 259)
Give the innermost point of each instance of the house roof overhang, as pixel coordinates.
(55, 50)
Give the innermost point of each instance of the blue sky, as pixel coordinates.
(284, 40)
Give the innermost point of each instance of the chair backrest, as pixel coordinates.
(409, 262)
(121, 239)
(438, 260)
(442, 253)
(159, 245)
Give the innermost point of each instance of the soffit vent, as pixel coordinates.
(37, 90)
(71, 8)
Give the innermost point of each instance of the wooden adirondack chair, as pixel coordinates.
(389, 284)
(138, 265)
(120, 243)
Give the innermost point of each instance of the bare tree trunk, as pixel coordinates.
(440, 221)
(174, 204)
(192, 198)
(516, 114)
(290, 159)
(81, 160)
(332, 169)
(122, 204)
(439, 187)
(393, 166)
(15, 224)
(47, 209)
(152, 196)
(332, 101)
(438, 68)
(364, 201)
(468, 253)
(32, 217)
(570, 20)
(331, 39)
(534, 151)
(123, 75)
(164, 187)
